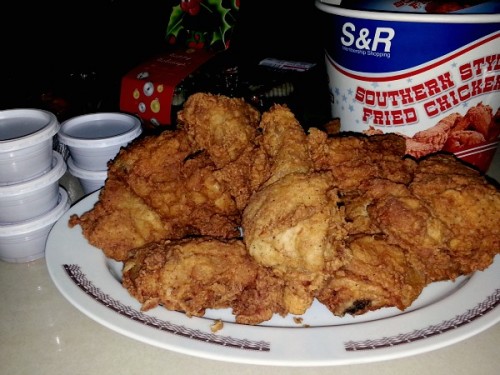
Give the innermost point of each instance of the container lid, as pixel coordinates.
(41, 221)
(21, 128)
(53, 175)
(427, 7)
(84, 173)
(100, 130)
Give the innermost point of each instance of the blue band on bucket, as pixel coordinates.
(388, 46)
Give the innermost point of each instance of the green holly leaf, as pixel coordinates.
(214, 7)
(175, 22)
(220, 34)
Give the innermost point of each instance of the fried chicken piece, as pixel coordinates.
(432, 139)
(453, 132)
(226, 130)
(444, 218)
(244, 176)
(332, 127)
(284, 143)
(189, 275)
(119, 221)
(295, 227)
(279, 149)
(222, 126)
(419, 149)
(261, 299)
(352, 159)
(378, 275)
(292, 222)
(158, 189)
(407, 222)
(437, 134)
(192, 275)
(463, 200)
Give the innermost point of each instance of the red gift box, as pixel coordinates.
(152, 89)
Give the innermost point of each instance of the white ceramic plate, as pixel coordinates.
(445, 313)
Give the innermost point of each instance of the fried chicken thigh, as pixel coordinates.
(355, 158)
(224, 127)
(378, 275)
(192, 275)
(469, 208)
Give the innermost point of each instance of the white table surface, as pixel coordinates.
(41, 333)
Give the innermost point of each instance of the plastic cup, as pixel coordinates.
(34, 197)
(26, 140)
(90, 181)
(25, 241)
(95, 139)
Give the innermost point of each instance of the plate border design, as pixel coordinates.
(482, 308)
(80, 279)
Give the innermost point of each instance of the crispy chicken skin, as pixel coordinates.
(295, 227)
(189, 275)
(224, 127)
(284, 144)
(192, 275)
(378, 275)
(353, 158)
(391, 212)
(119, 221)
(468, 206)
(157, 189)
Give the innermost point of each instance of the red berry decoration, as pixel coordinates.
(191, 7)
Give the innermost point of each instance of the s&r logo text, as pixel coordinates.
(367, 42)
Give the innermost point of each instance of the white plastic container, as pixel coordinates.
(95, 139)
(32, 198)
(89, 180)
(26, 140)
(426, 70)
(25, 241)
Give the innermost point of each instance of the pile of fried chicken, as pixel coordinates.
(246, 210)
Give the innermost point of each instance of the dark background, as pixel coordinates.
(69, 57)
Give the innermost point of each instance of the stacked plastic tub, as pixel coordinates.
(92, 140)
(31, 198)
